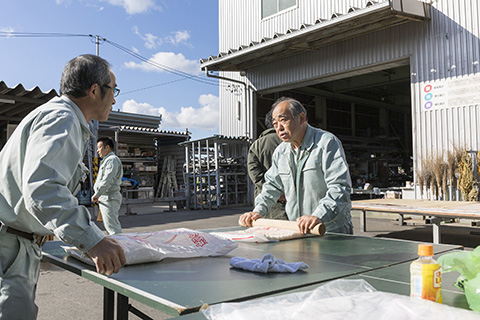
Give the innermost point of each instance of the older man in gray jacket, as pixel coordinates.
(42, 165)
(310, 168)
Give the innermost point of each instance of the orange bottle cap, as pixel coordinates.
(425, 250)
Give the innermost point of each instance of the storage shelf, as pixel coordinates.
(137, 159)
(211, 182)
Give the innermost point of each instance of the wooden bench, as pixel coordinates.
(439, 210)
(149, 198)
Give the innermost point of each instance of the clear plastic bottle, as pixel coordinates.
(426, 275)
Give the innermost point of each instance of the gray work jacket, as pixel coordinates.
(41, 166)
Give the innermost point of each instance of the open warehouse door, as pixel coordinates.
(370, 111)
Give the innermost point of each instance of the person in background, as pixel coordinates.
(260, 160)
(42, 166)
(310, 168)
(107, 186)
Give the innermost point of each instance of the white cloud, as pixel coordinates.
(204, 117)
(7, 30)
(132, 106)
(135, 6)
(131, 6)
(170, 60)
(179, 37)
(151, 41)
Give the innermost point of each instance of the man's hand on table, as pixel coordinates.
(247, 218)
(305, 223)
(108, 256)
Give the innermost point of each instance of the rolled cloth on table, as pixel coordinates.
(318, 230)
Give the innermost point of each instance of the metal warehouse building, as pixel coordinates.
(395, 80)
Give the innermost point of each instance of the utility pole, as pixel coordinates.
(93, 162)
(97, 43)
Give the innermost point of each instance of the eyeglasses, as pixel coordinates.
(115, 90)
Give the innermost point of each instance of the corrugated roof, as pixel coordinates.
(375, 16)
(143, 135)
(119, 118)
(220, 138)
(153, 131)
(17, 102)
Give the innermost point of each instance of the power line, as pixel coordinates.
(161, 66)
(8, 34)
(153, 86)
(184, 75)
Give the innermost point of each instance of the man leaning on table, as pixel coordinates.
(310, 168)
(41, 168)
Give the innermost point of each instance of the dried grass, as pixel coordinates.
(458, 154)
(420, 180)
(445, 180)
(427, 172)
(437, 164)
(465, 182)
(451, 166)
(478, 163)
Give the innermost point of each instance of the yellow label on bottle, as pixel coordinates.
(426, 281)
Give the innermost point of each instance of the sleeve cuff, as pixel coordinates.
(88, 239)
(260, 209)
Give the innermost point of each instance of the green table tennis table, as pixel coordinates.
(182, 286)
(393, 279)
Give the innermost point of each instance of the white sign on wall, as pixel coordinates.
(449, 93)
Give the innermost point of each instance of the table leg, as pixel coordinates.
(436, 229)
(108, 304)
(363, 221)
(122, 307)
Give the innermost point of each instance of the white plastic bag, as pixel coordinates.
(338, 300)
(145, 247)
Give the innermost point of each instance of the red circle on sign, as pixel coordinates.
(428, 88)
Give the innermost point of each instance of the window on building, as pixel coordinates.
(270, 7)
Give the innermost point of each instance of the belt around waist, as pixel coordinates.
(39, 240)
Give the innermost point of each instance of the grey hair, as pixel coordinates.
(81, 72)
(295, 107)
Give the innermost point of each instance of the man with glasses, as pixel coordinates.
(42, 164)
(115, 90)
(107, 186)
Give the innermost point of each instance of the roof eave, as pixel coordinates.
(373, 18)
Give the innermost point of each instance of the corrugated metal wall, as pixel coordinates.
(447, 47)
(240, 21)
(236, 108)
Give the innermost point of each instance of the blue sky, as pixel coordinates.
(172, 33)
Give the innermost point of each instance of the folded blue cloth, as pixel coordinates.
(268, 264)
